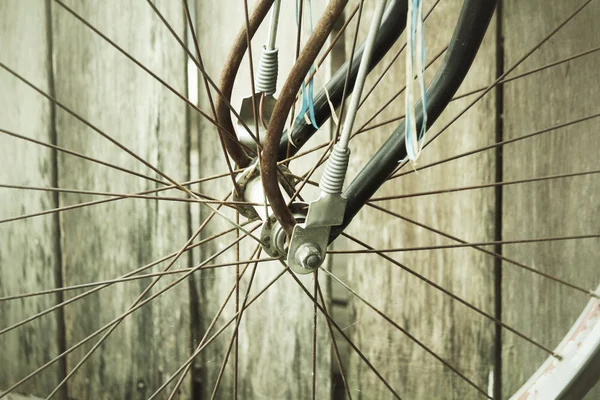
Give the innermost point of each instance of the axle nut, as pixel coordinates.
(309, 256)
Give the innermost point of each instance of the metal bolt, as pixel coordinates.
(309, 256)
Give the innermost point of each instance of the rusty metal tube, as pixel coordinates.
(282, 108)
(228, 75)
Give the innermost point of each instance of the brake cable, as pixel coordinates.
(309, 240)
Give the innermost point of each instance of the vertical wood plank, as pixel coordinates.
(106, 241)
(541, 308)
(276, 333)
(28, 258)
(457, 334)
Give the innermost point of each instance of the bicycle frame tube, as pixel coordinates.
(472, 24)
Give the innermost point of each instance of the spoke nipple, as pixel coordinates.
(308, 256)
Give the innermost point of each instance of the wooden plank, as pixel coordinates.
(109, 240)
(541, 308)
(457, 334)
(28, 258)
(276, 334)
(21, 397)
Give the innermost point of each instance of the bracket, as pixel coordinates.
(311, 239)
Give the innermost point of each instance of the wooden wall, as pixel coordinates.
(445, 326)
(276, 333)
(103, 241)
(49, 47)
(135, 110)
(551, 208)
(29, 259)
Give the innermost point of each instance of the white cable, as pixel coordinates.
(363, 70)
(274, 25)
(415, 54)
(268, 65)
(332, 180)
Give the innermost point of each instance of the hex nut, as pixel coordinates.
(308, 255)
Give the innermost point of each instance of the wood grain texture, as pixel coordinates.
(457, 334)
(275, 344)
(109, 240)
(541, 308)
(21, 397)
(28, 258)
(276, 333)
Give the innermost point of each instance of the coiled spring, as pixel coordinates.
(333, 177)
(266, 80)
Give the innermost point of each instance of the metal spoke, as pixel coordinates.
(89, 292)
(395, 96)
(135, 277)
(501, 82)
(471, 244)
(314, 337)
(347, 80)
(236, 355)
(234, 288)
(234, 335)
(113, 323)
(455, 297)
(340, 330)
(304, 153)
(394, 58)
(84, 121)
(410, 336)
(503, 75)
(86, 204)
(499, 256)
(531, 72)
(334, 344)
(130, 196)
(143, 67)
(206, 87)
(485, 185)
(82, 156)
(206, 77)
(499, 144)
(137, 303)
(118, 144)
(216, 334)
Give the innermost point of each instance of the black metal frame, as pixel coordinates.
(471, 27)
(392, 26)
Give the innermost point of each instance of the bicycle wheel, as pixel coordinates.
(523, 193)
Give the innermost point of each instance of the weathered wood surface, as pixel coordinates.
(28, 258)
(109, 240)
(106, 241)
(542, 308)
(462, 337)
(13, 396)
(275, 339)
